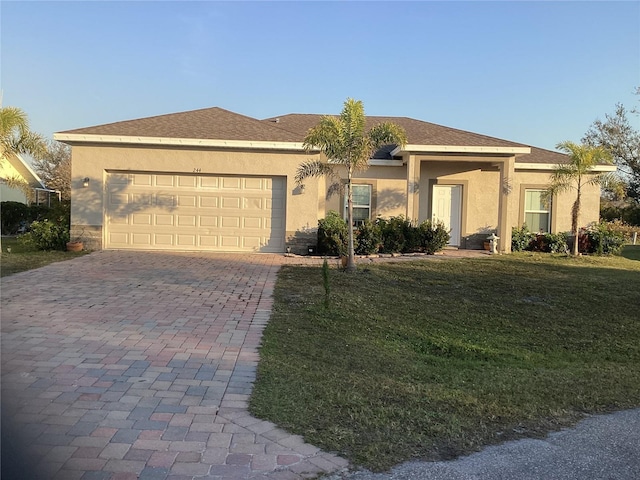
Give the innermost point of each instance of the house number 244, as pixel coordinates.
(197, 170)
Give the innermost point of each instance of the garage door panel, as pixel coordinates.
(141, 219)
(165, 240)
(164, 200)
(164, 180)
(163, 220)
(141, 239)
(210, 182)
(232, 183)
(209, 202)
(194, 212)
(253, 184)
(187, 200)
(119, 239)
(186, 220)
(208, 221)
(252, 222)
(230, 222)
(142, 180)
(229, 241)
(209, 241)
(186, 240)
(190, 181)
(230, 202)
(253, 203)
(251, 242)
(118, 199)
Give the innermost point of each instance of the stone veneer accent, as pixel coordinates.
(90, 235)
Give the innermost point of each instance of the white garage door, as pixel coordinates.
(159, 211)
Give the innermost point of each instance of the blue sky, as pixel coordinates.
(533, 72)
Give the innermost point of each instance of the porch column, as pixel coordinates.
(507, 173)
(413, 187)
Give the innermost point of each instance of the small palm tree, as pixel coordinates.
(577, 173)
(347, 146)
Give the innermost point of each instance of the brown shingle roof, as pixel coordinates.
(422, 133)
(219, 124)
(418, 132)
(209, 123)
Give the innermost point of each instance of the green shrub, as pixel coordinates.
(549, 243)
(601, 239)
(13, 216)
(433, 236)
(629, 214)
(368, 238)
(393, 232)
(521, 238)
(333, 235)
(46, 235)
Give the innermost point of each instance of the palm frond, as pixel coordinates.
(312, 168)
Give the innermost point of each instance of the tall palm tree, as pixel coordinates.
(348, 147)
(577, 173)
(17, 138)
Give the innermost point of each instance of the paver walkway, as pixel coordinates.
(139, 365)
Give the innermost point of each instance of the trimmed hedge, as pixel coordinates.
(392, 235)
(599, 239)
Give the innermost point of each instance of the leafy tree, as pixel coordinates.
(55, 168)
(618, 136)
(577, 173)
(348, 147)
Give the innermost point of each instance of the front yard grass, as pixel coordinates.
(433, 359)
(22, 258)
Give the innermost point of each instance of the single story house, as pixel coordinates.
(14, 167)
(215, 180)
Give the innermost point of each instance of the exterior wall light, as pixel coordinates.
(85, 182)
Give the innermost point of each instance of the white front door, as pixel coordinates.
(446, 208)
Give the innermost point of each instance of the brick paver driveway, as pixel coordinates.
(130, 365)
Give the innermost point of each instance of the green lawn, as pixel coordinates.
(23, 258)
(436, 358)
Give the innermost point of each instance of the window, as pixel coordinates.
(537, 214)
(361, 203)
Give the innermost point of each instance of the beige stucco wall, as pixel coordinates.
(480, 180)
(561, 204)
(95, 161)
(480, 183)
(389, 191)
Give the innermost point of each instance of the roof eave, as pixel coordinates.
(72, 138)
(414, 148)
(553, 166)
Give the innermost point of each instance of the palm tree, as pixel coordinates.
(348, 147)
(16, 138)
(577, 173)
(15, 135)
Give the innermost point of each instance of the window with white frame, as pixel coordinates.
(537, 212)
(361, 195)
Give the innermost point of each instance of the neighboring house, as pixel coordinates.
(215, 180)
(15, 167)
